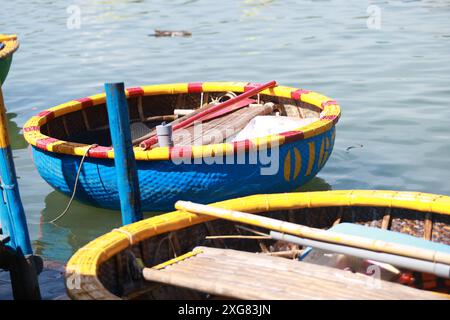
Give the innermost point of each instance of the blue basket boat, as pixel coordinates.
(202, 172)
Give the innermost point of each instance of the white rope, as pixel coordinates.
(130, 236)
(75, 185)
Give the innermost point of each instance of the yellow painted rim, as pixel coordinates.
(11, 45)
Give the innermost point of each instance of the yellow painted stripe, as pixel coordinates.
(287, 166)
(4, 139)
(223, 86)
(172, 88)
(327, 151)
(321, 153)
(298, 162)
(177, 259)
(8, 37)
(312, 157)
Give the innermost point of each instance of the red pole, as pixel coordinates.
(152, 140)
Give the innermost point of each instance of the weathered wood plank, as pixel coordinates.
(246, 275)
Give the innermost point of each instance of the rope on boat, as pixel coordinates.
(129, 235)
(75, 185)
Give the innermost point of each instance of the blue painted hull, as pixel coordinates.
(162, 183)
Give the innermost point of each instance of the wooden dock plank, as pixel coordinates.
(246, 275)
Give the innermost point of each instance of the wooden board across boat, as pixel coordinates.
(195, 169)
(110, 267)
(244, 275)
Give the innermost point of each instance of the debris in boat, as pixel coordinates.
(182, 112)
(283, 246)
(168, 33)
(353, 147)
(261, 126)
(350, 263)
(288, 254)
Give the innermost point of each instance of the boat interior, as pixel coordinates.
(122, 276)
(90, 125)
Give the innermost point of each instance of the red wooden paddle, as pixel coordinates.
(226, 110)
(146, 144)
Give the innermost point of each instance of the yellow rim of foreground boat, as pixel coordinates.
(329, 116)
(84, 263)
(11, 45)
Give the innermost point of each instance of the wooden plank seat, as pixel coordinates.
(217, 130)
(245, 275)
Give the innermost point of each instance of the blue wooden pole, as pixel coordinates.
(127, 178)
(13, 216)
(21, 262)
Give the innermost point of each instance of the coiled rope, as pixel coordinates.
(75, 185)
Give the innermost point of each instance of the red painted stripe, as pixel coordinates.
(48, 115)
(184, 152)
(291, 136)
(332, 118)
(243, 145)
(85, 102)
(99, 152)
(42, 143)
(135, 92)
(327, 103)
(229, 109)
(32, 128)
(195, 87)
(297, 94)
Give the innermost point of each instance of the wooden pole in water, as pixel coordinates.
(13, 220)
(127, 178)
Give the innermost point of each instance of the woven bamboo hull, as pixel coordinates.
(162, 183)
(102, 267)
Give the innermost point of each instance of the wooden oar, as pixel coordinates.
(315, 234)
(208, 110)
(229, 109)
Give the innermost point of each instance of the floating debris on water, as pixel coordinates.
(168, 33)
(353, 147)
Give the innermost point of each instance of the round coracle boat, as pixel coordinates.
(167, 249)
(225, 160)
(8, 45)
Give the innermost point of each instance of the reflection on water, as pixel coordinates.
(70, 232)
(316, 184)
(392, 83)
(15, 136)
(81, 223)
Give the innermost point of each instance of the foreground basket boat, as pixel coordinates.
(109, 266)
(60, 136)
(8, 45)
